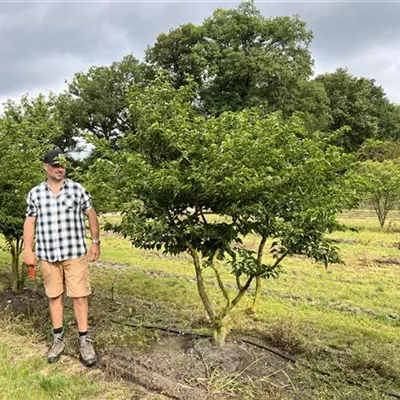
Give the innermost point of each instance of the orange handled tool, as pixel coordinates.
(31, 272)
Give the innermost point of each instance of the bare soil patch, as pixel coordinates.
(26, 303)
(180, 367)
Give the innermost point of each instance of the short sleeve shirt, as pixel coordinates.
(60, 225)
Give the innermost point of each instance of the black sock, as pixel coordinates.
(57, 330)
(82, 333)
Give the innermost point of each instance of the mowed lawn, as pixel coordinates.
(344, 319)
(349, 312)
(362, 293)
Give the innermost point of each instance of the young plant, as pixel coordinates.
(382, 186)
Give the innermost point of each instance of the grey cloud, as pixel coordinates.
(42, 44)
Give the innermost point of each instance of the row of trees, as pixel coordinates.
(222, 118)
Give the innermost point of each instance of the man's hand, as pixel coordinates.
(29, 257)
(94, 252)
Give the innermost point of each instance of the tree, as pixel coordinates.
(100, 180)
(382, 185)
(96, 101)
(28, 128)
(389, 121)
(42, 115)
(360, 104)
(22, 144)
(254, 173)
(240, 59)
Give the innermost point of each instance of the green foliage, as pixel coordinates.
(247, 264)
(101, 182)
(263, 174)
(42, 116)
(379, 150)
(360, 104)
(96, 101)
(240, 59)
(382, 185)
(23, 144)
(27, 131)
(389, 121)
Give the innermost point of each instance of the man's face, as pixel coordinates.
(55, 172)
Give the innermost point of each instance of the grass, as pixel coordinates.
(25, 374)
(344, 320)
(350, 311)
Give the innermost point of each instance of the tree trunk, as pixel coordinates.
(220, 330)
(257, 296)
(219, 322)
(16, 273)
(200, 283)
(15, 250)
(381, 218)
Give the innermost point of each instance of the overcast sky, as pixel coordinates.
(42, 44)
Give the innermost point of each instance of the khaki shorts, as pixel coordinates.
(71, 274)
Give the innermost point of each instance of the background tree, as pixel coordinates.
(256, 174)
(382, 185)
(379, 150)
(96, 101)
(360, 104)
(240, 59)
(389, 121)
(24, 138)
(42, 115)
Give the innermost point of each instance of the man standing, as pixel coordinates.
(55, 213)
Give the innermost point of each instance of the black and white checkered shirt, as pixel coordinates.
(60, 226)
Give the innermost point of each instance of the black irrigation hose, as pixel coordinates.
(253, 343)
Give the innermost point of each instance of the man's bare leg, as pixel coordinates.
(81, 309)
(56, 305)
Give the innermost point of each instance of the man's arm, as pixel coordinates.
(29, 235)
(94, 251)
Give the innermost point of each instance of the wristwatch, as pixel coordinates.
(96, 241)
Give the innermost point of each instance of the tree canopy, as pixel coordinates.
(360, 104)
(95, 102)
(241, 59)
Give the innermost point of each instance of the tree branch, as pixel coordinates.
(203, 218)
(279, 259)
(261, 249)
(236, 300)
(218, 276)
(238, 283)
(241, 292)
(199, 279)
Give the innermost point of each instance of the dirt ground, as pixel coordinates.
(181, 367)
(176, 366)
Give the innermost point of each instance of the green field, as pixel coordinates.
(342, 324)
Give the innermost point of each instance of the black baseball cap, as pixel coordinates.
(51, 156)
